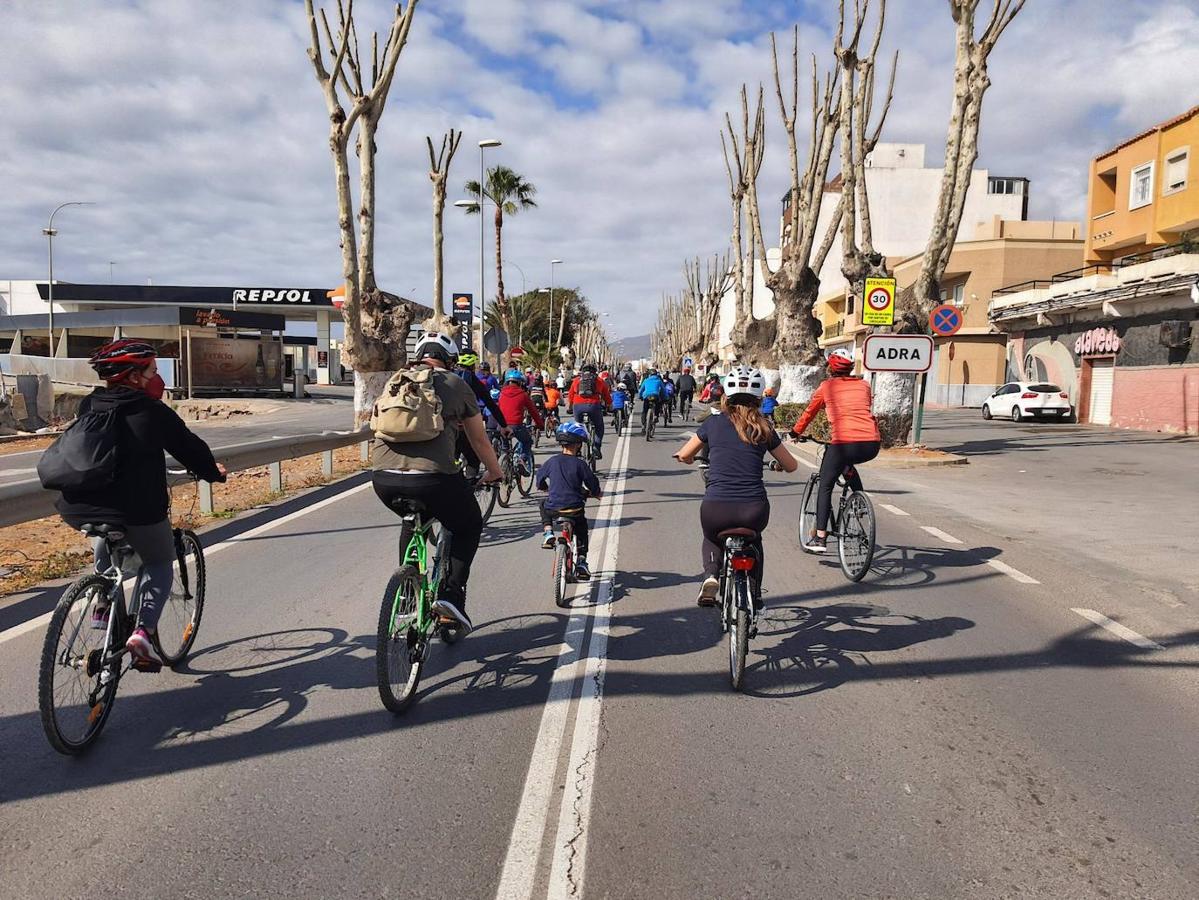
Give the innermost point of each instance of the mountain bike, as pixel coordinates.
(620, 418)
(651, 423)
(565, 554)
(739, 597)
(685, 407)
(851, 522)
(506, 451)
(81, 666)
(587, 450)
(668, 413)
(485, 494)
(407, 623)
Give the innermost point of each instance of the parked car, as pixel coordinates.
(1019, 399)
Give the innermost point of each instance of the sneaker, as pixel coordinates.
(100, 617)
(598, 453)
(582, 570)
(140, 647)
(548, 540)
(707, 591)
(450, 609)
(525, 470)
(816, 544)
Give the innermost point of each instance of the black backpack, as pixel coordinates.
(84, 458)
(587, 384)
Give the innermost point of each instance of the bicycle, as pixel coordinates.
(587, 451)
(620, 418)
(685, 407)
(406, 618)
(91, 670)
(851, 522)
(651, 423)
(510, 468)
(565, 553)
(668, 413)
(739, 597)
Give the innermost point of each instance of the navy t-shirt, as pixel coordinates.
(566, 477)
(735, 472)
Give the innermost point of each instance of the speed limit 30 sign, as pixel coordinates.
(879, 308)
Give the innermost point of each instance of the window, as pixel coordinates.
(959, 294)
(1177, 164)
(944, 295)
(1140, 191)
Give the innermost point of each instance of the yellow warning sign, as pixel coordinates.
(879, 307)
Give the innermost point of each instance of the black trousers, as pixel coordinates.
(716, 516)
(645, 407)
(837, 457)
(578, 521)
(449, 500)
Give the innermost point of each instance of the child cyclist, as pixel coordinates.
(569, 482)
(621, 401)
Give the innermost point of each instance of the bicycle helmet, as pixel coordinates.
(621, 386)
(495, 393)
(840, 362)
(485, 366)
(468, 358)
(118, 358)
(745, 380)
(571, 433)
(514, 376)
(434, 345)
(589, 367)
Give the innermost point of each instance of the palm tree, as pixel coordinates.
(510, 193)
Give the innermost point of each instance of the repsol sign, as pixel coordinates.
(272, 295)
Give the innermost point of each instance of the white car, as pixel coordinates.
(1020, 399)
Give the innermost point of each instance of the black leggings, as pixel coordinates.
(836, 458)
(449, 500)
(716, 516)
(578, 521)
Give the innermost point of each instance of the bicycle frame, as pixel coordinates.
(416, 554)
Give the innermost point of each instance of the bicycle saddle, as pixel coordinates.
(408, 507)
(109, 532)
(738, 532)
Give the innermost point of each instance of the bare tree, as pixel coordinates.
(970, 83)
(376, 323)
(706, 287)
(743, 162)
(439, 171)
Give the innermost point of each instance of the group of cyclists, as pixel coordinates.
(736, 433)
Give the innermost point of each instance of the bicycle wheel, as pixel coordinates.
(485, 497)
(180, 619)
(74, 693)
(855, 544)
(399, 642)
(650, 426)
(738, 630)
(524, 483)
(807, 510)
(562, 564)
(504, 488)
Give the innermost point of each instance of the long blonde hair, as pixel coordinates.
(744, 411)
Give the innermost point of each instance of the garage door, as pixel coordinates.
(1102, 371)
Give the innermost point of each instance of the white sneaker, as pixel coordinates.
(707, 591)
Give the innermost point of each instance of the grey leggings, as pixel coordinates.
(155, 548)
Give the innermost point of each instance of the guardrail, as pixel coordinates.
(28, 500)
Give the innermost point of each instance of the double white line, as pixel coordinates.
(576, 670)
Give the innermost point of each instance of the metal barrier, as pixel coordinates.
(27, 500)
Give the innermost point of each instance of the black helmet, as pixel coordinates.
(590, 367)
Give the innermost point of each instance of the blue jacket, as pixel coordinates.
(652, 387)
(619, 399)
(568, 480)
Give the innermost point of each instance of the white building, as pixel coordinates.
(903, 199)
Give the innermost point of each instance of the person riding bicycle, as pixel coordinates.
(769, 404)
(569, 481)
(686, 387)
(136, 497)
(489, 381)
(736, 494)
(668, 399)
(514, 403)
(588, 398)
(847, 402)
(620, 403)
(424, 469)
(488, 406)
(652, 392)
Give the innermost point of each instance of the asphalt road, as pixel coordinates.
(951, 727)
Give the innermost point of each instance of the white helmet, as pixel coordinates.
(745, 380)
(437, 345)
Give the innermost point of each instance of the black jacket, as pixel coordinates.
(686, 384)
(139, 495)
(484, 395)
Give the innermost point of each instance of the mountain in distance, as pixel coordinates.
(633, 347)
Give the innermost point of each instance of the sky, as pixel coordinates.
(199, 131)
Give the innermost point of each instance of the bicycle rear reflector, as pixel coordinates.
(743, 563)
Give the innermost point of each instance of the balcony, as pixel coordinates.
(833, 331)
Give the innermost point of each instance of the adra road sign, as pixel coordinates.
(879, 308)
(898, 353)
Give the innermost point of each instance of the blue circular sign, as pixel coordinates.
(945, 320)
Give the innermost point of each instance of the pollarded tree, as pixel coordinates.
(439, 173)
(752, 340)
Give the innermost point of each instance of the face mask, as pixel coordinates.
(155, 387)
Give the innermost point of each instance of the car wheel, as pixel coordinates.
(986, 412)
(1016, 414)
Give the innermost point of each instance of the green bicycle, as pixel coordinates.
(407, 623)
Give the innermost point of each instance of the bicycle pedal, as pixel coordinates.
(147, 665)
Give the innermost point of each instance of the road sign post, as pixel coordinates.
(919, 424)
(911, 353)
(879, 308)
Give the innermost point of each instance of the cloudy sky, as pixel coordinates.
(199, 131)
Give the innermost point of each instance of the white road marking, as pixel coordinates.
(1119, 630)
(1000, 566)
(4, 473)
(519, 874)
(894, 510)
(42, 620)
(941, 535)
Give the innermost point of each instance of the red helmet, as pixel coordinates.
(840, 362)
(115, 360)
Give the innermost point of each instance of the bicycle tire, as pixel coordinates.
(504, 488)
(485, 495)
(650, 427)
(524, 483)
(739, 632)
(98, 712)
(561, 575)
(807, 511)
(855, 543)
(405, 647)
(187, 545)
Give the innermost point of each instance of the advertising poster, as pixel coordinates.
(230, 364)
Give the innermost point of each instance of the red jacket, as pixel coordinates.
(848, 405)
(515, 402)
(603, 394)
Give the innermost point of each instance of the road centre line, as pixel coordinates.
(42, 620)
(941, 535)
(518, 876)
(1118, 630)
(1000, 566)
(894, 510)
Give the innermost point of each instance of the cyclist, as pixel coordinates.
(686, 387)
(569, 482)
(769, 404)
(846, 400)
(514, 403)
(668, 400)
(651, 392)
(485, 376)
(136, 498)
(736, 494)
(488, 406)
(588, 398)
(553, 402)
(620, 404)
(425, 471)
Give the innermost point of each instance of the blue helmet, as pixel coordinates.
(495, 393)
(514, 375)
(571, 433)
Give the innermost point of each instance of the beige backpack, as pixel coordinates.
(409, 409)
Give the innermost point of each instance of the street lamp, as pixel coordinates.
(553, 262)
(524, 289)
(49, 232)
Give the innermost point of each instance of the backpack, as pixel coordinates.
(409, 409)
(84, 458)
(587, 385)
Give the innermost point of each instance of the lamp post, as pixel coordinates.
(49, 232)
(553, 262)
(524, 289)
